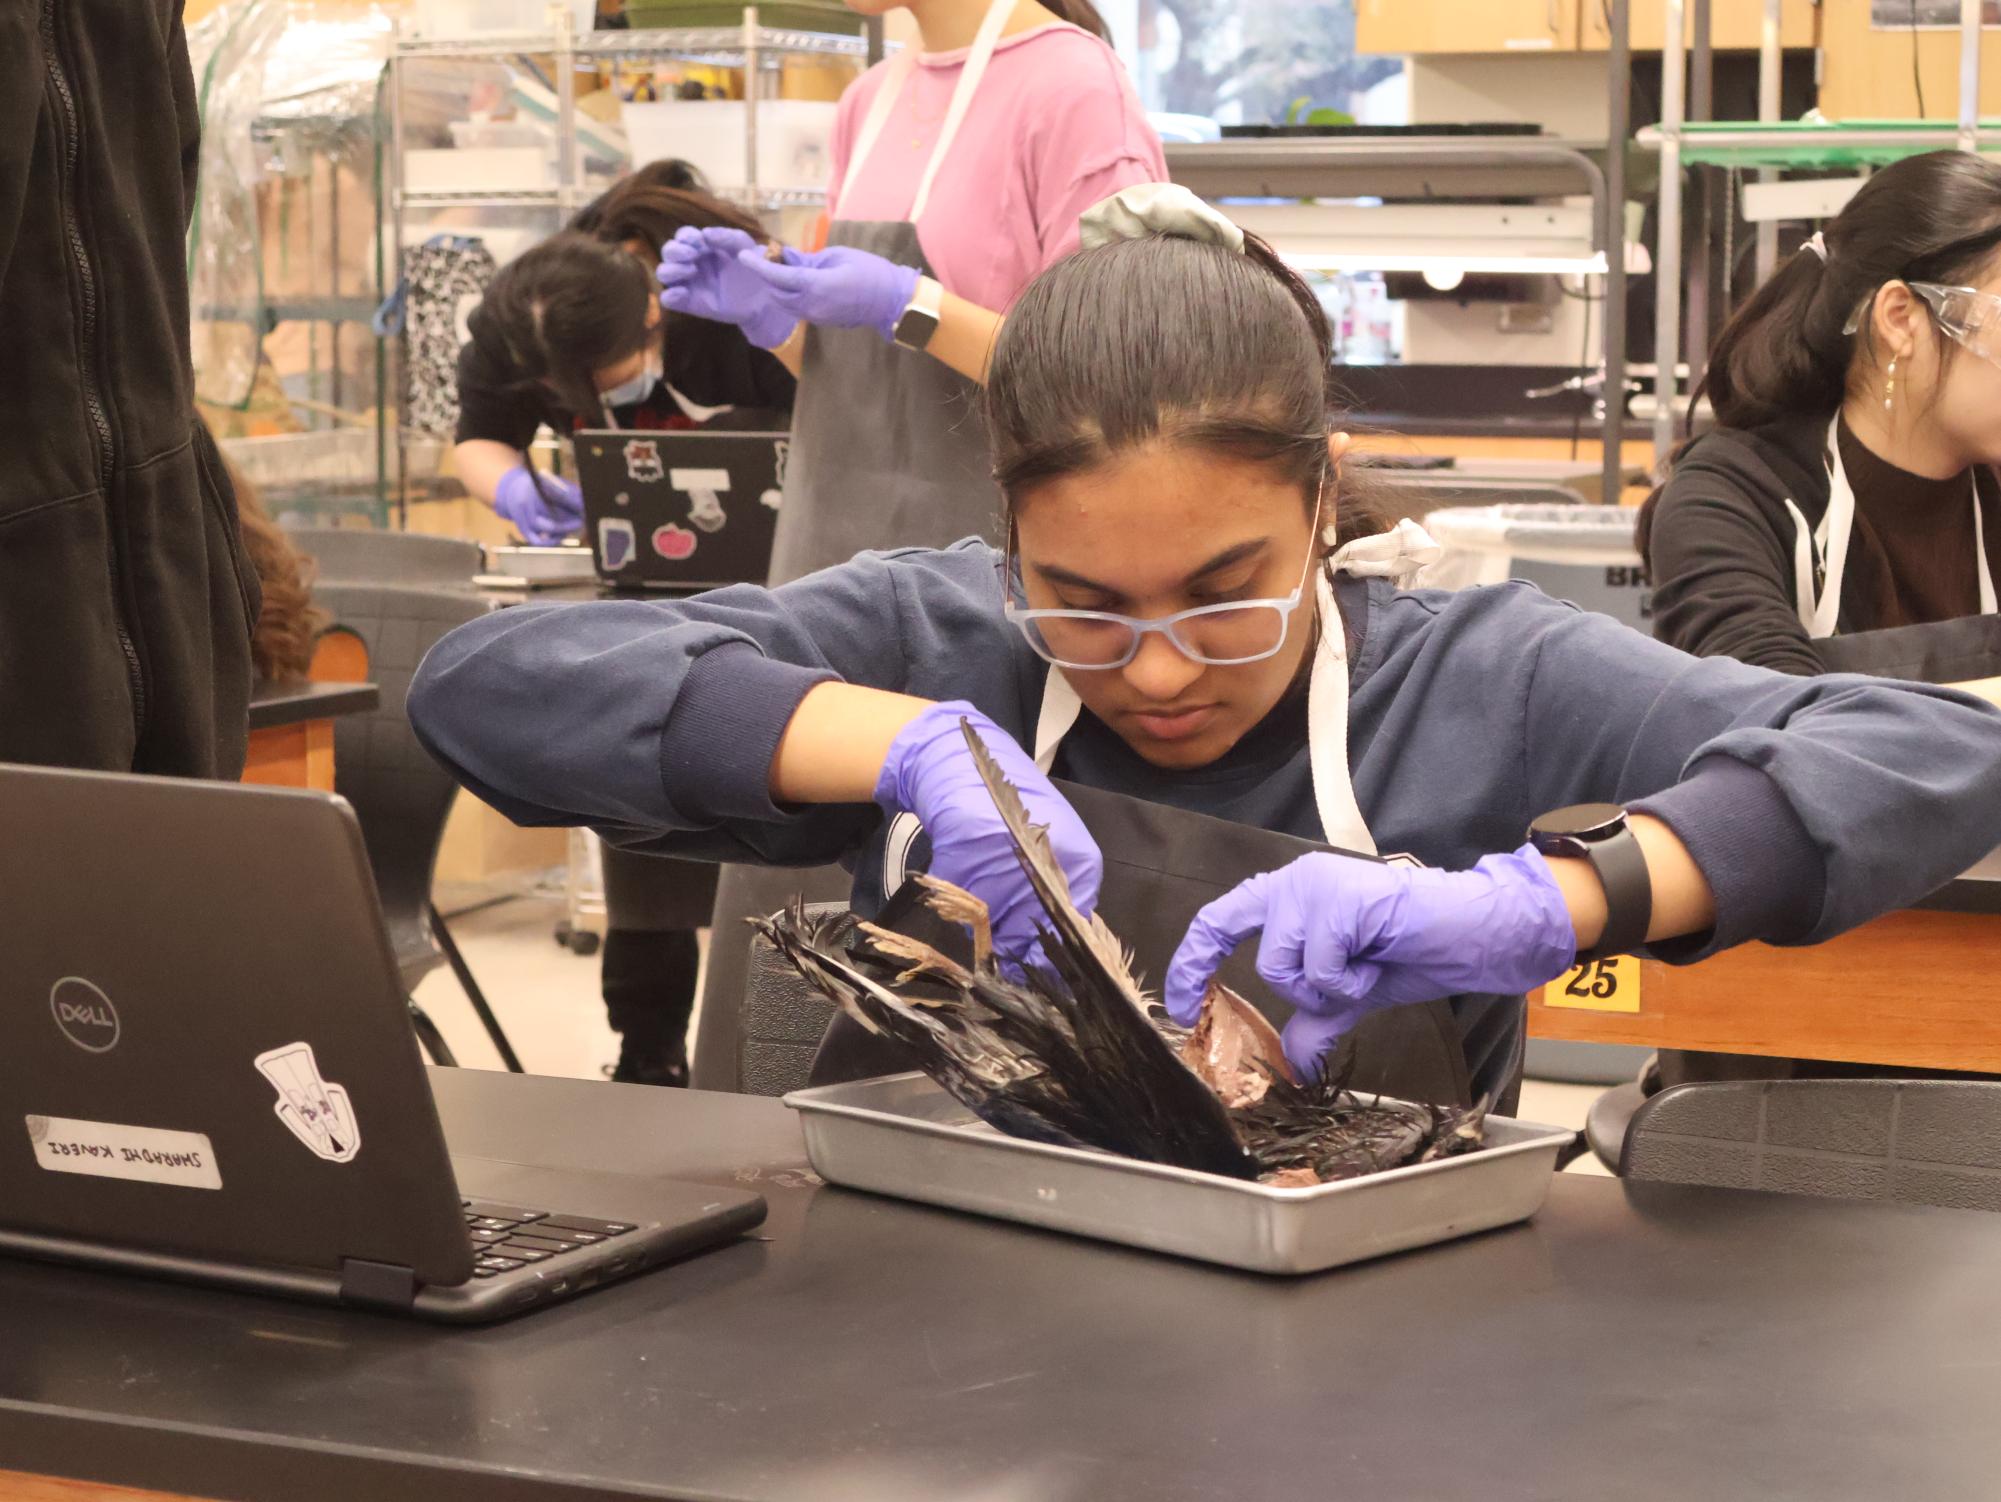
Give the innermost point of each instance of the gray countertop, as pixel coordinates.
(1631, 1343)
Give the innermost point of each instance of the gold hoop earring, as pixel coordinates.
(1889, 385)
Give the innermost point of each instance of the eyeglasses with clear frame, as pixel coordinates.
(1970, 318)
(1227, 635)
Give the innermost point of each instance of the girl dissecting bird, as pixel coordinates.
(1189, 611)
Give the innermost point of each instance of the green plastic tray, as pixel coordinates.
(797, 15)
(1793, 143)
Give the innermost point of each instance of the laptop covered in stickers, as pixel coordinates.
(209, 1072)
(681, 510)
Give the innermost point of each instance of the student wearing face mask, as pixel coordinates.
(571, 335)
(1192, 613)
(961, 166)
(1848, 486)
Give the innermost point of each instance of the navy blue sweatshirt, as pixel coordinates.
(1810, 804)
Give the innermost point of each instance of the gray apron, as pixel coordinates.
(1163, 864)
(888, 446)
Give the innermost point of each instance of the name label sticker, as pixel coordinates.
(106, 1150)
(1602, 986)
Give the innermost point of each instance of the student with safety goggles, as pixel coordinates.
(1848, 485)
(1841, 515)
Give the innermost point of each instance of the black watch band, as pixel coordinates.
(1599, 833)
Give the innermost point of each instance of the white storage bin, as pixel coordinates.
(484, 135)
(437, 19)
(794, 139)
(484, 169)
(1584, 554)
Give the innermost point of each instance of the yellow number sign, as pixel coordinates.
(1601, 986)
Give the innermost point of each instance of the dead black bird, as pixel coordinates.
(1063, 1050)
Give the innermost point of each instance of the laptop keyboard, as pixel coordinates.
(505, 1237)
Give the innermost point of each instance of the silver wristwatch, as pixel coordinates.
(920, 319)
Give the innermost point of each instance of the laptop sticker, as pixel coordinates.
(704, 489)
(674, 543)
(642, 460)
(318, 1113)
(107, 1150)
(618, 544)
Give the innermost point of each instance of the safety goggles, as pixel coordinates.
(1969, 317)
(1227, 635)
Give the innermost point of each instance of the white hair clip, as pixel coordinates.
(1817, 243)
(1157, 209)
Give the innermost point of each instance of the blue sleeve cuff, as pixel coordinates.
(716, 749)
(1768, 875)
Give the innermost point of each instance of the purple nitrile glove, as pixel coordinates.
(1346, 937)
(703, 277)
(544, 508)
(840, 286)
(929, 772)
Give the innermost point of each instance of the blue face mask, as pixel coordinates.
(630, 393)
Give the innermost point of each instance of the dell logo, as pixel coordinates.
(85, 1014)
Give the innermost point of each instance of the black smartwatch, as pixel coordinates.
(1599, 833)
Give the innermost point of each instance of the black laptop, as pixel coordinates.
(681, 510)
(207, 1071)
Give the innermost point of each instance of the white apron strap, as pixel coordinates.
(975, 68)
(1980, 555)
(1805, 597)
(1341, 821)
(893, 77)
(1834, 532)
(1060, 708)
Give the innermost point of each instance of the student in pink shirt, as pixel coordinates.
(960, 170)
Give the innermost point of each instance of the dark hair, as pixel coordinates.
(1930, 218)
(564, 309)
(656, 201)
(1081, 13)
(1167, 338)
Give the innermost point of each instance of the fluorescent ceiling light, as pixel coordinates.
(1446, 268)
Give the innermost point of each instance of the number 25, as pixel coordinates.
(1598, 979)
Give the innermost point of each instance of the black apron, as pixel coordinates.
(1937, 652)
(1162, 865)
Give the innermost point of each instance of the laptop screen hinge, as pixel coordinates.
(377, 1285)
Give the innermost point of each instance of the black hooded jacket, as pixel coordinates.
(126, 603)
(1718, 540)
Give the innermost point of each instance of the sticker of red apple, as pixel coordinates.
(674, 543)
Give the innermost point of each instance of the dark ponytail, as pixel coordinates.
(1930, 218)
(1169, 339)
(1082, 13)
(652, 204)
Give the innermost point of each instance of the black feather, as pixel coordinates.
(1063, 1050)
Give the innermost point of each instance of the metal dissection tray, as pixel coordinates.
(902, 1135)
(542, 566)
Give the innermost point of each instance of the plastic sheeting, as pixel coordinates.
(280, 84)
(1587, 535)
